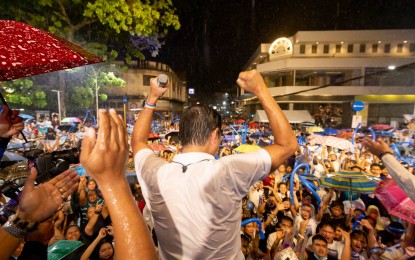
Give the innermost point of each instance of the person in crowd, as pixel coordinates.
(282, 237)
(104, 247)
(104, 157)
(35, 205)
(319, 249)
(327, 230)
(212, 190)
(336, 213)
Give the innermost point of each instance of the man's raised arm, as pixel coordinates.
(285, 142)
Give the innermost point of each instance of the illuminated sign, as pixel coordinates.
(191, 91)
(280, 47)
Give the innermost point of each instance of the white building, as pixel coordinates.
(325, 71)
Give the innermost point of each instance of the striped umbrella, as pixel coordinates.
(350, 181)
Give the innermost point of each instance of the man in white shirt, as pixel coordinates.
(196, 200)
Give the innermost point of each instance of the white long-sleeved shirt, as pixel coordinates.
(402, 177)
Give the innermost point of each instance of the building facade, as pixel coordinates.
(137, 89)
(324, 72)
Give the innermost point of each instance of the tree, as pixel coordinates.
(20, 93)
(107, 28)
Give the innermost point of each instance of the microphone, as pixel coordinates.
(162, 80)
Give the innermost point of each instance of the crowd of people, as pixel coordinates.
(201, 199)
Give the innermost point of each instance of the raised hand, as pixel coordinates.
(105, 157)
(251, 81)
(38, 204)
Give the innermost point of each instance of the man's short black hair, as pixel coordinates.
(196, 124)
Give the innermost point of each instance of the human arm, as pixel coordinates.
(81, 191)
(87, 253)
(89, 228)
(274, 248)
(142, 125)
(285, 142)
(347, 249)
(104, 157)
(37, 204)
(402, 177)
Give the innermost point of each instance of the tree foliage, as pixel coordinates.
(111, 29)
(21, 93)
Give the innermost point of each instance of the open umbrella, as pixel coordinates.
(381, 127)
(349, 181)
(332, 141)
(158, 147)
(330, 131)
(314, 129)
(395, 200)
(247, 148)
(71, 120)
(26, 116)
(27, 51)
(384, 133)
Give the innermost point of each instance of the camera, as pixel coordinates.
(48, 165)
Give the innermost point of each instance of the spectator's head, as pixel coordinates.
(281, 168)
(307, 198)
(337, 209)
(319, 245)
(198, 125)
(289, 168)
(92, 196)
(105, 250)
(92, 184)
(327, 230)
(358, 212)
(358, 241)
(72, 232)
(306, 211)
(376, 169)
(249, 229)
(286, 203)
(282, 187)
(287, 224)
(90, 212)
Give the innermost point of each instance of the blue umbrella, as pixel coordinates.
(26, 116)
(330, 131)
(301, 140)
(384, 133)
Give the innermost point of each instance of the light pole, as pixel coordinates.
(59, 102)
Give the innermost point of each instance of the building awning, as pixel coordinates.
(293, 116)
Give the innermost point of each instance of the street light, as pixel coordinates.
(59, 102)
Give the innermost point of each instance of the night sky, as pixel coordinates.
(218, 37)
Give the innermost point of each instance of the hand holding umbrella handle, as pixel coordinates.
(9, 112)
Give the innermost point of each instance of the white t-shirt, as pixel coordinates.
(197, 213)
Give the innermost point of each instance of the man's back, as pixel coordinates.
(197, 213)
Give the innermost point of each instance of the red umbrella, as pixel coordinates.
(158, 147)
(395, 200)
(239, 121)
(27, 51)
(381, 127)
